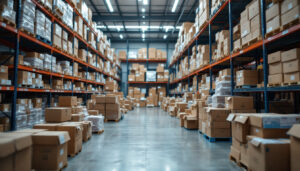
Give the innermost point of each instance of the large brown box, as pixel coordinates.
(268, 154)
(87, 130)
(67, 101)
(47, 126)
(246, 77)
(111, 99)
(100, 99)
(273, 11)
(290, 54)
(152, 53)
(75, 132)
(239, 102)
(58, 114)
(50, 150)
(100, 108)
(274, 57)
(291, 66)
(292, 77)
(275, 68)
(240, 126)
(218, 132)
(77, 117)
(290, 16)
(287, 5)
(294, 133)
(112, 112)
(16, 148)
(275, 78)
(191, 122)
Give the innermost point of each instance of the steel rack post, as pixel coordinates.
(197, 76)
(210, 50)
(147, 66)
(127, 68)
(167, 64)
(231, 48)
(189, 68)
(13, 125)
(264, 53)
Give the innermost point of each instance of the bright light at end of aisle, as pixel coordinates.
(109, 6)
(145, 2)
(143, 9)
(121, 36)
(175, 5)
(165, 36)
(143, 35)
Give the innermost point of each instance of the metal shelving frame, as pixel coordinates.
(259, 49)
(18, 40)
(144, 61)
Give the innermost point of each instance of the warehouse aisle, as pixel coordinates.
(149, 139)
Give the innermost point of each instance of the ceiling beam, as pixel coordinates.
(138, 40)
(137, 32)
(166, 18)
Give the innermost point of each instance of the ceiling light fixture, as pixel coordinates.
(121, 36)
(109, 5)
(145, 2)
(175, 5)
(165, 36)
(138, 27)
(143, 9)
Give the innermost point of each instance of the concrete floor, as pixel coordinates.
(149, 139)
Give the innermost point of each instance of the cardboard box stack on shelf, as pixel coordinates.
(28, 16)
(112, 108)
(246, 78)
(291, 66)
(253, 133)
(250, 23)
(152, 99)
(202, 15)
(7, 11)
(162, 75)
(223, 45)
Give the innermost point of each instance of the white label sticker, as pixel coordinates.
(241, 51)
(60, 165)
(3, 24)
(61, 139)
(61, 152)
(290, 6)
(293, 77)
(285, 32)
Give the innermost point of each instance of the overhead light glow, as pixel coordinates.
(121, 36)
(143, 9)
(138, 27)
(144, 16)
(175, 5)
(109, 6)
(145, 2)
(165, 36)
(143, 39)
(143, 35)
(144, 22)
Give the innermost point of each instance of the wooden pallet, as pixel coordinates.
(251, 42)
(239, 163)
(274, 84)
(27, 32)
(107, 120)
(44, 40)
(290, 84)
(274, 32)
(98, 132)
(213, 139)
(73, 155)
(8, 22)
(59, 48)
(290, 24)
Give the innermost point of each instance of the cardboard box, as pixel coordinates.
(75, 133)
(269, 154)
(288, 5)
(273, 11)
(57, 114)
(235, 153)
(191, 122)
(17, 157)
(240, 126)
(87, 130)
(100, 108)
(290, 54)
(273, 24)
(239, 102)
(67, 101)
(100, 99)
(77, 117)
(112, 112)
(254, 9)
(50, 150)
(47, 126)
(291, 66)
(152, 53)
(292, 77)
(111, 99)
(218, 132)
(274, 57)
(131, 77)
(275, 79)
(275, 68)
(93, 112)
(294, 133)
(272, 125)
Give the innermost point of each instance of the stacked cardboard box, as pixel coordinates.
(250, 23)
(246, 77)
(191, 120)
(152, 99)
(291, 65)
(295, 146)
(57, 36)
(289, 12)
(223, 44)
(4, 80)
(137, 73)
(122, 54)
(253, 133)
(112, 108)
(7, 10)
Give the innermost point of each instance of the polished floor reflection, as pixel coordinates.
(149, 139)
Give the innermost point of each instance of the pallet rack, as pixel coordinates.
(147, 61)
(14, 37)
(230, 10)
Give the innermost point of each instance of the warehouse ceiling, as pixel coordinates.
(142, 20)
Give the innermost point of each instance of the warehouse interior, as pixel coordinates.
(150, 85)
